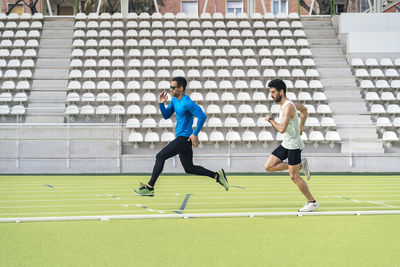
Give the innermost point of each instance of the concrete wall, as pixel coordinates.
(370, 34)
(100, 149)
(387, 42)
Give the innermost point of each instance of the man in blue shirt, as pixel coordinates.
(185, 110)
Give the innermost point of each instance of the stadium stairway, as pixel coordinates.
(348, 107)
(50, 79)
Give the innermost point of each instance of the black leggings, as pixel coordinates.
(180, 145)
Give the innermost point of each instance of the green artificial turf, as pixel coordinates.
(366, 240)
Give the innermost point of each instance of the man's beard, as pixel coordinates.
(278, 99)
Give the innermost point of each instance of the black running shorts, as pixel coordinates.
(293, 155)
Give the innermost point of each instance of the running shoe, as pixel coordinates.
(305, 168)
(221, 179)
(310, 206)
(143, 190)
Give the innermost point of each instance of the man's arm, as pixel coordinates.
(288, 113)
(201, 118)
(197, 112)
(303, 115)
(166, 112)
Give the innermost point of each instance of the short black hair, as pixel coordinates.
(278, 84)
(180, 81)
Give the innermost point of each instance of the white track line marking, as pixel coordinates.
(378, 203)
(213, 209)
(149, 209)
(354, 200)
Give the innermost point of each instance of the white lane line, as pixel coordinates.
(383, 204)
(270, 195)
(206, 185)
(139, 211)
(346, 198)
(123, 185)
(209, 187)
(149, 209)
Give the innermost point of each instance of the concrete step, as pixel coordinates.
(362, 147)
(57, 33)
(47, 97)
(56, 24)
(358, 133)
(49, 74)
(44, 119)
(322, 41)
(54, 53)
(46, 109)
(343, 95)
(319, 33)
(335, 72)
(53, 63)
(327, 51)
(56, 43)
(364, 119)
(45, 84)
(338, 82)
(308, 23)
(329, 62)
(346, 108)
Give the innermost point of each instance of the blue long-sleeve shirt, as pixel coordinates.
(185, 110)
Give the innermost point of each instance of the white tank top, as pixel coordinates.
(291, 137)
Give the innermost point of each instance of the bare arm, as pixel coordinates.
(288, 113)
(303, 115)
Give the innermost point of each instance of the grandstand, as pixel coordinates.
(78, 95)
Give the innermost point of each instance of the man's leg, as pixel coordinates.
(186, 157)
(167, 152)
(294, 172)
(274, 162)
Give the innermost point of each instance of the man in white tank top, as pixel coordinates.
(292, 144)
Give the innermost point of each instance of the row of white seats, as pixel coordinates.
(192, 84)
(230, 122)
(178, 16)
(192, 73)
(387, 122)
(380, 84)
(91, 33)
(389, 137)
(33, 34)
(17, 52)
(15, 110)
(183, 42)
(192, 53)
(380, 109)
(384, 96)
(21, 25)
(232, 136)
(377, 73)
(5, 43)
(373, 62)
(23, 16)
(195, 96)
(22, 74)
(18, 97)
(194, 24)
(198, 97)
(10, 85)
(16, 63)
(191, 63)
(212, 109)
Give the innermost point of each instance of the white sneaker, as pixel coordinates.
(309, 207)
(305, 168)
